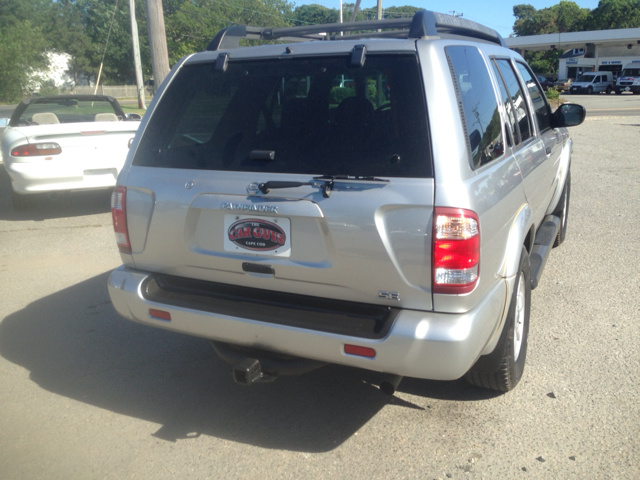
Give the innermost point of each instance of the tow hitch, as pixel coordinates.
(253, 365)
(250, 371)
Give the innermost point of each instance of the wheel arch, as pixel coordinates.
(521, 234)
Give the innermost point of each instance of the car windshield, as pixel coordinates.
(585, 78)
(631, 72)
(67, 110)
(304, 115)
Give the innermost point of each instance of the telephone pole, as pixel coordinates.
(157, 41)
(136, 55)
(379, 9)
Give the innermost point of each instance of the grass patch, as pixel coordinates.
(130, 109)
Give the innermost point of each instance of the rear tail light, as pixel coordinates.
(119, 215)
(36, 150)
(456, 250)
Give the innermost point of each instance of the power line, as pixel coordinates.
(113, 17)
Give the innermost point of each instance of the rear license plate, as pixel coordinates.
(257, 235)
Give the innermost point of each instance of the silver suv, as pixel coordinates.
(382, 200)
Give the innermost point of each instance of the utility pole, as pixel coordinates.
(379, 9)
(136, 55)
(157, 41)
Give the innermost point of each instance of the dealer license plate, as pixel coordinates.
(257, 235)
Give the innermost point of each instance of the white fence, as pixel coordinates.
(117, 91)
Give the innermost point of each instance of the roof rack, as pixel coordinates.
(423, 24)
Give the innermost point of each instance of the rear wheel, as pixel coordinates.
(562, 211)
(609, 89)
(510, 354)
(589, 91)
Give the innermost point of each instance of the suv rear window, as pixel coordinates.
(294, 115)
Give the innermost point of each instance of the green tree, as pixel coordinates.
(191, 24)
(615, 14)
(566, 16)
(400, 12)
(22, 45)
(66, 34)
(118, 57)
(316, 14)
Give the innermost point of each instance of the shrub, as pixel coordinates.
(553, 93)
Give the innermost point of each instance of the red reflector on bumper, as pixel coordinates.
(360, 351)
(160, 314)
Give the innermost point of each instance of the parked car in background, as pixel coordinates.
(629, 79)
(563, 83)
(65, 142)
(545, 83)
(593, 82)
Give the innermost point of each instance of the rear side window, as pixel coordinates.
(297, 115)
(479, 105)
(538, 98)
(522, 124)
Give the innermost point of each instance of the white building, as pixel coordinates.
(577, 61)
(56, 75)
(598, 50)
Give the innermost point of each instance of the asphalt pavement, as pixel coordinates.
(87, 394)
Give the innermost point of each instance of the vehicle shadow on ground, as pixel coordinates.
(74, 344)
(73, 204)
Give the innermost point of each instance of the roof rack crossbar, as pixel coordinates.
(423, 24)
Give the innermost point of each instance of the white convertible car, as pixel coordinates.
(65, 142)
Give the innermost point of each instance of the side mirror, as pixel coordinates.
(568, 115)
(133, 116)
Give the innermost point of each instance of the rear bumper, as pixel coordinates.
(419, 344)
(44, 176)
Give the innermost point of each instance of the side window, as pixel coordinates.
(517, 98)
(538, 98)
(508, 106)
(480, 106)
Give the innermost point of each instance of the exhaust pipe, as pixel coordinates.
(389, 383)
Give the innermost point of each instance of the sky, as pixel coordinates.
(499, 15)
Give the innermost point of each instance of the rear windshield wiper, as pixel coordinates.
(326, 187)
(265, 187)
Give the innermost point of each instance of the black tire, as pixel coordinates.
(609, 90)
(589, 91)
(618, 92)
(508, 358)
(562, 211)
